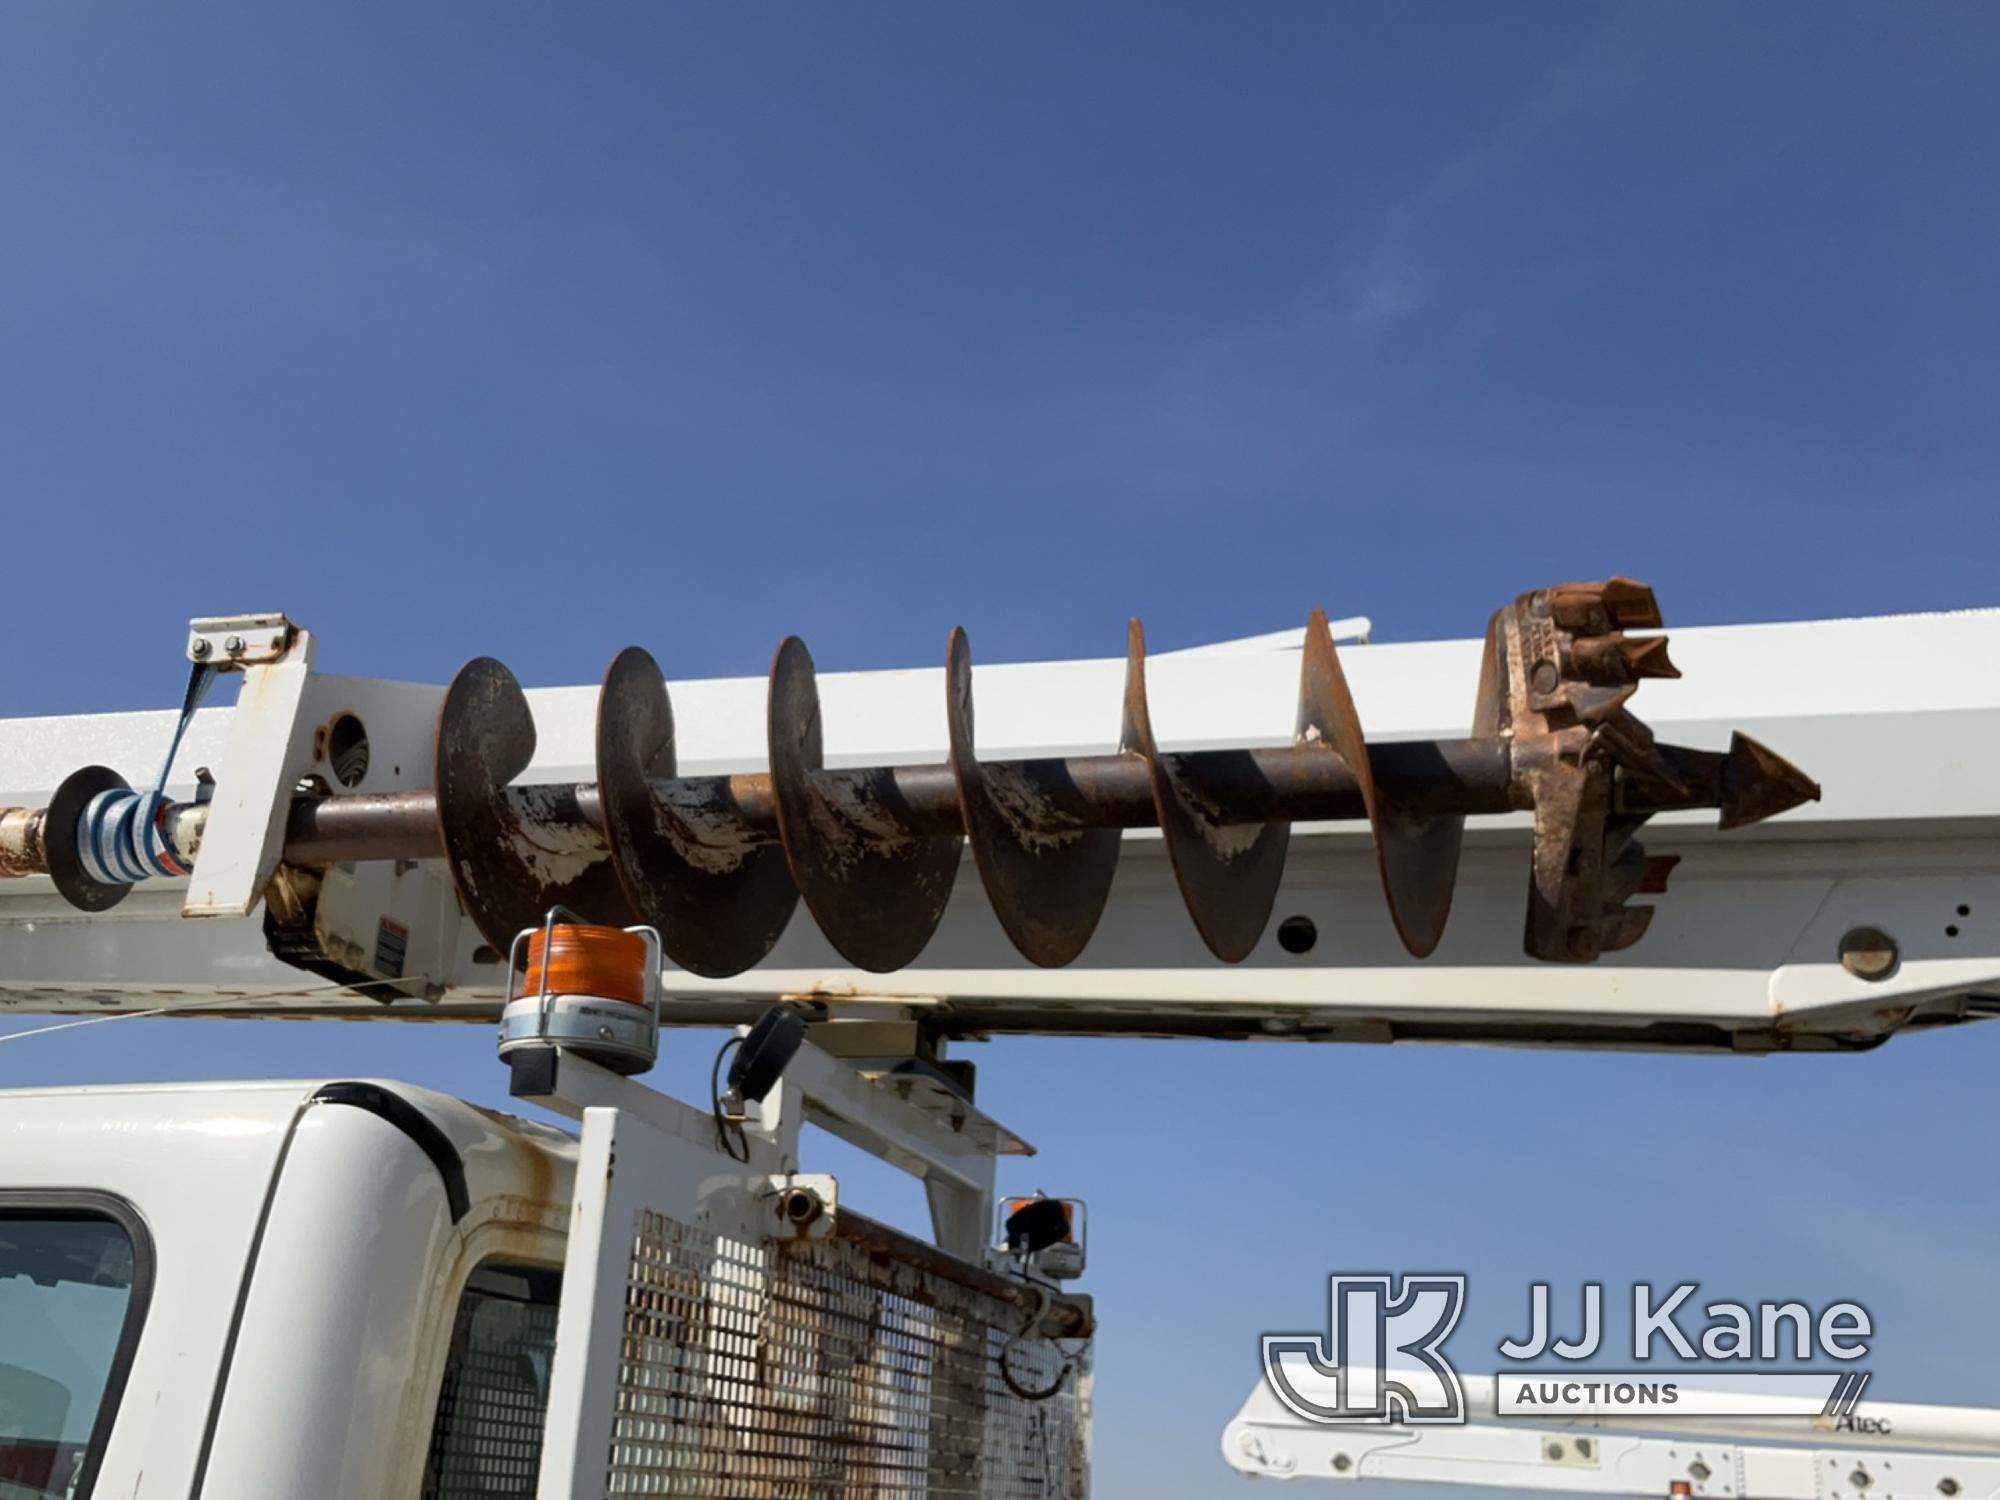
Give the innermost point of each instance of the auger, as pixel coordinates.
(717, 864)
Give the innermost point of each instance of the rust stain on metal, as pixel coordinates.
(772, 1369)
(21, 851)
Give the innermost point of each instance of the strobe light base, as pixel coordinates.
(577, 987)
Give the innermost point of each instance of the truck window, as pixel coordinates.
(486, 1440)
(72, 1294)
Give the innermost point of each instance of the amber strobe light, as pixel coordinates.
(584, 988)
(576, 958)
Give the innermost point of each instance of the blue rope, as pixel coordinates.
(120, 835)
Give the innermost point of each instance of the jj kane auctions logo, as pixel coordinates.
(1382, 1359)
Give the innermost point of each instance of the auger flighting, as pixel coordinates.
(718, 863)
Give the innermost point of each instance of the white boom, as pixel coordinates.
(1831, 926)
(1871, 1451)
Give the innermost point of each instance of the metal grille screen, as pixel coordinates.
(815, 1370)
(486, 1440)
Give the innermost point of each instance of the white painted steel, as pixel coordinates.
(330, 1226)
(955, 1159)
(347, 1320)
(1356, 628)
(196, 1164)
(1886, 1450)
(628, 1164)
(267, 753)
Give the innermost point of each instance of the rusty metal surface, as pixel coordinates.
(690, 865)
(363, 825)
(1558, 675)
(1046, 869)
(1111, 791)
(875, 885)
(1064, 1317)
(1228, 873)
(21, 852)
(513, 853)
(1416, 854)
(822, 1367)
(1757, 783)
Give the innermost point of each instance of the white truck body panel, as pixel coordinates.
(305, 1272)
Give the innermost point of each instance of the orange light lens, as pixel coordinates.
(607, 962)
(1015, 1205)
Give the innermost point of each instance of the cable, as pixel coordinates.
(740, 1149)
(187, 1005)
(1034, 1317)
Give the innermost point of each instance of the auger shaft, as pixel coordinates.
(1291, 783)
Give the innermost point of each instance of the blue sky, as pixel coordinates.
(521, 331)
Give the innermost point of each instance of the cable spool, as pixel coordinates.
(588, 989)
(120, 840)
(108, 837)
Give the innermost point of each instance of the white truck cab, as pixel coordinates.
(304, 1289)
(353, 1289)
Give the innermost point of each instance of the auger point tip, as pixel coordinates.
(1758, 783)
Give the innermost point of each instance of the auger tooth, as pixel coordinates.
(1659, 867)
(1624, 927)
(1631, 605)
(1600, 608)
(1622, 658)
(1758, 783)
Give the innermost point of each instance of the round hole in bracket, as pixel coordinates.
(1869, 953)
(347, 749)
(1952, 930)
(1964, 911)
(1297, 934)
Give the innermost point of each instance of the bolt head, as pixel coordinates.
(201, 650)
(234, 645)
(1342, 1463)
(1860, 1479)
(1543, 677)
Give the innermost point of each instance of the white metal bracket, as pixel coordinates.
(269, 749)
(942, 1140)
(227, 641)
